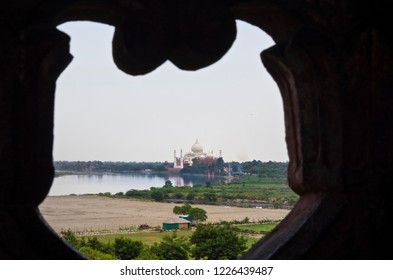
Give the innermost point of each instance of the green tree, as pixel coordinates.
(197, 215)
(139, 194)
(217, 243)
(127, 249)
(70, 237)
(157, 195)
(182, 210)
(94, 243)
(96, 254)
(147, 254)
(168, 184)
(172, 248)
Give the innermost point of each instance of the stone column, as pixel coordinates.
(32, 58)
(336, 83)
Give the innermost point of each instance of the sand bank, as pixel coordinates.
(90, 212)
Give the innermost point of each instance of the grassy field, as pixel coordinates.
(149, 238)
(258, 227)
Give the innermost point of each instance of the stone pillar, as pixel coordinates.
(336, 84)
(31, 61)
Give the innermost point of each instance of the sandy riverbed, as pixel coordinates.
(90, 212)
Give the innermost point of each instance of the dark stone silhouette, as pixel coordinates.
(332, 62)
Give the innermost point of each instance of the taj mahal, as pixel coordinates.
(196, 153)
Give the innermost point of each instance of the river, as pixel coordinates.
(114, 183)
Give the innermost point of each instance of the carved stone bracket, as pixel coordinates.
(191, 34)
(307, 73)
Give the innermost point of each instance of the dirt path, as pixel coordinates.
(90, 212)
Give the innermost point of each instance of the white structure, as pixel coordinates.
(195, 153)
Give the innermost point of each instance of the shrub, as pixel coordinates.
(96, 254)
(172, 248)
(217, 243)
(157, 195)
(127, 249)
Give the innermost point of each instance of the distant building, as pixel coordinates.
(196, 153)
(177, 223)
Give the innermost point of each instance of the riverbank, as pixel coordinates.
(59, 173)
(92, 212)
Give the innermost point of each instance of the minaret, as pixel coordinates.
(178, 162)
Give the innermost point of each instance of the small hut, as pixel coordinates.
(177, 223)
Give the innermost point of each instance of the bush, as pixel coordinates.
(179, 195)
(127, 249)
(211, 196)
(168, 184)
(172, 248)
(96, 254)
(217, 243)
(157, 195)
(70, 237)
(134, 193)
(190, 196)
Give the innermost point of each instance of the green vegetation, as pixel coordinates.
(147, 238)
(217, 243)
(157, 195)
(107, 166)
(199, 168)
(194, 214)
(127, 249)
(257, 183)
(220, 241)
(248, 191)
(268, 169)
(182, 210)
(256, 228)
(172, 248)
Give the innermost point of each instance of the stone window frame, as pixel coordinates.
(332, 62)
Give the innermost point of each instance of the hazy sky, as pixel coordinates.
(103, 114)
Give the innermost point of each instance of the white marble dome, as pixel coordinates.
(197, 148)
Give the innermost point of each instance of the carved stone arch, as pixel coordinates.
(332, 62)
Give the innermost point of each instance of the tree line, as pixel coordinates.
(207, 242)
(217, 167)
(269, 169)
(107, 166)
